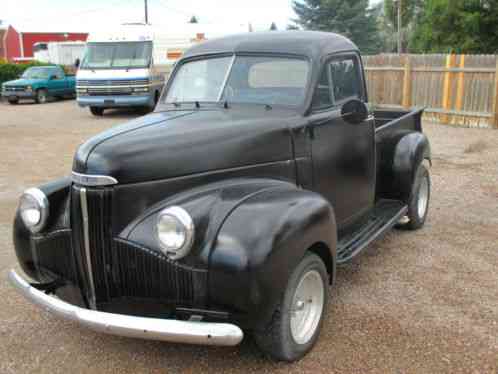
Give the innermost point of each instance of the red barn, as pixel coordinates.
(18, 43)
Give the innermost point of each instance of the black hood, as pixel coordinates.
(178, 143)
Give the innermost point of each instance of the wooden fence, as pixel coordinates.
(455, 89)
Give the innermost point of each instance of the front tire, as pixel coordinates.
(296, 322)
(418, 206)
(13, 101)
(96, 111)
(41, 96)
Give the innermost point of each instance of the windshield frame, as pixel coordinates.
(83, 65)
(234, 56)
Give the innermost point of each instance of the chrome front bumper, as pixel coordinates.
(207, 333)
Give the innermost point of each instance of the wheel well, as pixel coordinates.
(323, 251)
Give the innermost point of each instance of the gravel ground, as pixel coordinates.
(416, 302)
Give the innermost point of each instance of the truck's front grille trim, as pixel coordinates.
(86, 240)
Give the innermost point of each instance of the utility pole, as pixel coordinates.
(400, 36)
(146, 14)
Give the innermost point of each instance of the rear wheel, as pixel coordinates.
(41, 96)
(297, 321)
(13, 100)
(96, 111)
(418, 206)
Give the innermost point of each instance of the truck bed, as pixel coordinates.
(389, 119)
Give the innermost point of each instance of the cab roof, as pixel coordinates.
(312, 44)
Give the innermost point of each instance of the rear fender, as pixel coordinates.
(410, 151)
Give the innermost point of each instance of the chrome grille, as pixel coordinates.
(120, 269)
(82, 83)
(14, 88)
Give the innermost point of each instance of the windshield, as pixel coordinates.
(257, 80)
(117, 55)
(36, 73)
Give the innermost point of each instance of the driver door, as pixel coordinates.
(343, 153)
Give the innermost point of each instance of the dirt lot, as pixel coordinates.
(421, 302)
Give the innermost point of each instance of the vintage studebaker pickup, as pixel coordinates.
(228, 209)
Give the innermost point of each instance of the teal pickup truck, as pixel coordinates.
(38, 84)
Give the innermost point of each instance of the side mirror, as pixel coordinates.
(77, 63)
(354, 111)
(52, 77)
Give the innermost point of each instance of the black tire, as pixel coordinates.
(13, 101)
(97, 111)
(41, 96)
(277, 340)
(150, 108)
(415, 218)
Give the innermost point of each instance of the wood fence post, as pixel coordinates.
(407, 83)
(448, 75)
(460, 84)
(495, 99)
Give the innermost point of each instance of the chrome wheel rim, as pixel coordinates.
(307, 307)
(42, 97)
(423, 198)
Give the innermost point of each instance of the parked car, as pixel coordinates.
(229, 208)
(38, 83)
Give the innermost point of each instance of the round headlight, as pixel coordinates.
(34, 209)
(175, 232)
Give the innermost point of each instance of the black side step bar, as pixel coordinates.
(384, 216)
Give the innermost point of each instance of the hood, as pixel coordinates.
(22, 82)
(178, 143)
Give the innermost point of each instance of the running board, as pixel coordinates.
(383, 217)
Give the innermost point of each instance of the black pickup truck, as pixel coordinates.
(228, 209)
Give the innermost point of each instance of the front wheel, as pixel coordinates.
(418, 206)
(96, 111)
(13, 100)
(296, 322)
(41, 96)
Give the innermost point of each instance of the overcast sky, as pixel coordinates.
(91, 14)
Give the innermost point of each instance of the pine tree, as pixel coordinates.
(460, 26)
(351, 18)
(273, 27)
(193, 20)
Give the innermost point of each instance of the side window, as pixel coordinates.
(58, 73)
(345, 79)
(339, 82)
(322, 97)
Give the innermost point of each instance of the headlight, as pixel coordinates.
(34, 209)
(141, 89)
(175, 232)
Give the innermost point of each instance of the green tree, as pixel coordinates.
(273, 27)
(193, 20)
(460, 26)
(351, 18)
(410, 11)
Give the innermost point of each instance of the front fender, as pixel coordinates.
(208, 206)
(57, 193)
(259, 245)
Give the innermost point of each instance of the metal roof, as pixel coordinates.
(312, 44)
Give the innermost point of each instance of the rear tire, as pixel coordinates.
(296, 322)
(41, 96)
(418, 206)
(97, 111)
(13, 101)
